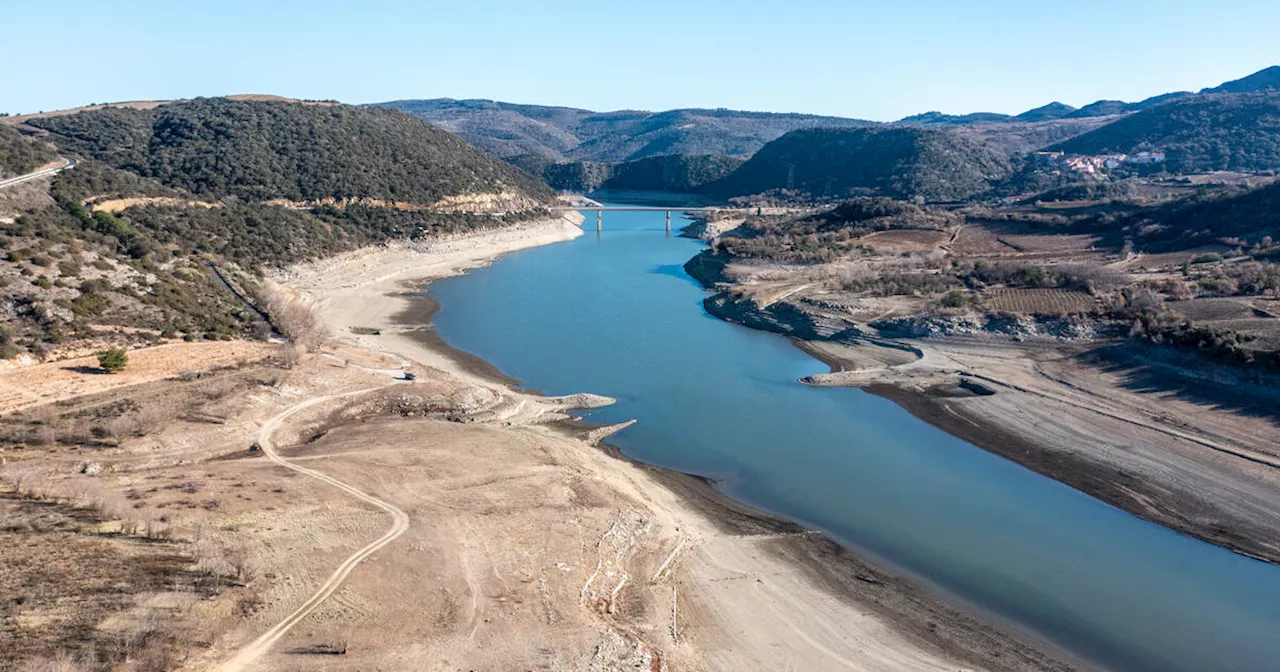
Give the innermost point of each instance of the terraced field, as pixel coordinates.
(1040, 301)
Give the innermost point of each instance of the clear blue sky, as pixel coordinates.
(875, 60)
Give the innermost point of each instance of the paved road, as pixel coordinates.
(9, 182)
(399, 524)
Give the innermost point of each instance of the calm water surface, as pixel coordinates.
(615, 314)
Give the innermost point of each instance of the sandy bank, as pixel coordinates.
(529, 546)
(1166, 442)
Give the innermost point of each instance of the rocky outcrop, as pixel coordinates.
(707, 229)
(1017, 327)
(708, 268)
(781, 318)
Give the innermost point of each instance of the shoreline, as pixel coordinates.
(933, 397)
(1066, 413)
(1113, 486)
(918, 615)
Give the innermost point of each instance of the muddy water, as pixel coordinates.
(615, 314)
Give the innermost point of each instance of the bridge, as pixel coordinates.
(601, 209)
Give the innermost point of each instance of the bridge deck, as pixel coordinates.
(641, 208)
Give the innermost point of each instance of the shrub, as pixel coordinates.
(955, 298)
(113, 360)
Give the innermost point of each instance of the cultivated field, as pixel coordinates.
(904, 240)
(976, 240)
(1040, 301)
(1210, 310)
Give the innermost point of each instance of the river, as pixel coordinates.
(615, 314)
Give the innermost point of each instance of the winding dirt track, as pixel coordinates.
(400, 523)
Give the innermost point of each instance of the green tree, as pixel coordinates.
(113, 360)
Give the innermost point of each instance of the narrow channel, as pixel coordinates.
(615, 314)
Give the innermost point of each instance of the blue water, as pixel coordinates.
(615, 314)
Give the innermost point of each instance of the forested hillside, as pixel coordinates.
(910, 162)
(1245, 219)
(671, 173)
(558, 135)
(19, 155)
(1238, 131)
(175, 205)
(1263, 80)
(261, 150)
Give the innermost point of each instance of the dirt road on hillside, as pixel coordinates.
(399, 523)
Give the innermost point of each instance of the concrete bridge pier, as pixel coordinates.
(668, 221)
(599, 220)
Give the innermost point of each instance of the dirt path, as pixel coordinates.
(400, 523)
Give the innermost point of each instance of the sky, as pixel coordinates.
(871, 60)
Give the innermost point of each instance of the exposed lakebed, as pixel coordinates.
(615, 314)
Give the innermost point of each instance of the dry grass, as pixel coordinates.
(1049, 243)
(1210, 310)
(55, 381)
(903, 240)
(80, 598)
(975, 240)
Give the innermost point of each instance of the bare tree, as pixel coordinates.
(296, 320)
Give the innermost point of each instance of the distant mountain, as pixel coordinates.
(1226, 131)
(932, 118)
(531, 134)
(1054, 110)
(901, 162)
(670, 173)
(1014, 138)
(1102, 108)
(1263, 80)
(1157, 100)
(261, 150)
(1051, 112)
(1107, 108)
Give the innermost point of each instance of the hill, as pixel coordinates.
(1243, 219)
(504, 130)
(262, 150)
(165, 228)
(901, 162)
(1264, 80)
(670, 173)
(1197, 133)
(1101, 108)
(1054, 110)
(18, 155)
(559, 135)
(931, 118)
